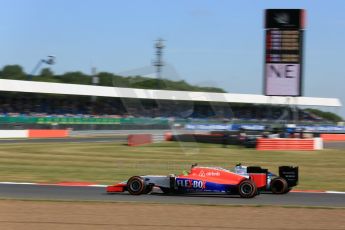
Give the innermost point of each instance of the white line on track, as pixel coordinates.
(24, 183)
(335, 192)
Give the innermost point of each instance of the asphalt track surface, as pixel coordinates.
(70, 193)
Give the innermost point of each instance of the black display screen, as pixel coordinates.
(284, 18)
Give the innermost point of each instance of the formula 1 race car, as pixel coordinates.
(247, 184)
(288, 177)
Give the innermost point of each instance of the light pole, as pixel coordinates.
(158, 63)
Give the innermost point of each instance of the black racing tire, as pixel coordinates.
(279, 186)
(287, 190)
(136, 185)
(247, 189)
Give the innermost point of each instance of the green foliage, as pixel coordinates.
(325, 115)
(75, 78)
(150, 83)
(14, 72)
(46, 72)
(109, 79)
(105, 79)
(46, 75)
(46, 79)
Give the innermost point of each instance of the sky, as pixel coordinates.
(208, 42)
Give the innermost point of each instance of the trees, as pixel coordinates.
(75, 78)
(46, 75)
(105, 79)
(109, 79)
(14, 72)
(46, 72)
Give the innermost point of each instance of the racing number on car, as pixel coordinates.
(198, 184)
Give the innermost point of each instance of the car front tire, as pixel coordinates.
(136, 185)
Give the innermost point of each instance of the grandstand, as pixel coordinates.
(43, 104)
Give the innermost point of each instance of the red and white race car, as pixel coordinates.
(201, 179)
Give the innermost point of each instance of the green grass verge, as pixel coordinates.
(107, 163)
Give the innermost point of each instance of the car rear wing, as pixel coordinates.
(290, 174)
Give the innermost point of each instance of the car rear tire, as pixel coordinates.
(279, 186)
(247, 189)
(287, 190)
(136, 185)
